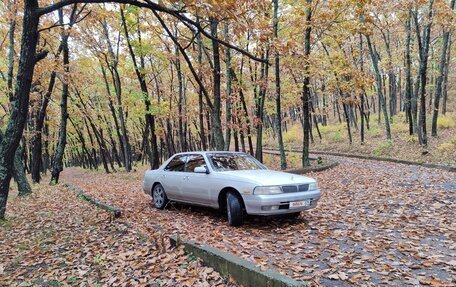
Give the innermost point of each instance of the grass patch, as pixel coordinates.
(446, 147)
(332, 128)
(293, 135)
(445, 122)
(375, 131)
(453, 140)
(337, 137)
(22, 247)
(411, 139)
(5, 223)
(294, 159)
(383, 149)
(399, 117)
(399, 127)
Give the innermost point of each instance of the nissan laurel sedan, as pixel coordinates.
(234, 182)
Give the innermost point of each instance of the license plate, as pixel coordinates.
(296, 204)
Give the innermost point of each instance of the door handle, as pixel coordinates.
(186, 178)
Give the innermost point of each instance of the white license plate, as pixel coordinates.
(296, 204)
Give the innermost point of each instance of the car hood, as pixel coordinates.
(268, 177)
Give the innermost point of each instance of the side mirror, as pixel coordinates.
(201, 169)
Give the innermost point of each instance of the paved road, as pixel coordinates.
(377, 224)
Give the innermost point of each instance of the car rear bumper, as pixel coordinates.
(280, 203)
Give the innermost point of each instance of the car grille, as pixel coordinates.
(289, 188)
(295, 188)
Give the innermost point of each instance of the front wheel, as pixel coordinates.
(234, 209)
(159, 197)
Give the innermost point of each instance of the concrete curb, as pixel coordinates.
(117, 212)
(242, 271)
(316, 169)
(385, 159)
(393, 160)
(332, 164)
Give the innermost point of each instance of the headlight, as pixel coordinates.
(313, 186)
(265, 190)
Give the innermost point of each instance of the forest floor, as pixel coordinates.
(377, 224)
(52, 238)
(441, 149)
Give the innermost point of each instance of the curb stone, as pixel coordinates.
(375, 158)
(242, 271)
(393, 160)
(331, 164)
(117, 212)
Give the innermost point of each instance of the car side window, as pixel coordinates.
(194, 161)
(177, 163)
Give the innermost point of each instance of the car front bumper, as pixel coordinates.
(280, 203)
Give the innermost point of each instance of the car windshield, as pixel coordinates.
(228, 162)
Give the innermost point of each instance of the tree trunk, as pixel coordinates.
(216, 112)
(445, 79)
(382, 99)
(19, 174)
(18, 166)
(245, 113)
(112, 63)
(228, 94)
(283, 159)
(113, 114)
(18, 115)
(260, 108)
(180, 100)
(361, 106)
(408, 76)
(305, 87)
(423, 45)
(442, 64)
(90, 161)
(154, 160)
(12, 29)
(60, 150)
(347, 120)
(200, 93)
(37, 139)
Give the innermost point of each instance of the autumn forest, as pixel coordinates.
(112, 86)
(109, 88)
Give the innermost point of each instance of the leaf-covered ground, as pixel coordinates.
(376, 224)
(52, 238)
(441, 150)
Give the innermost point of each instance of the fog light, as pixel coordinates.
(269, 208)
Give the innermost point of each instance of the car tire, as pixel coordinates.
(234, 210)
(159, 198)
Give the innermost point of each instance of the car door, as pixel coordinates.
(196, 186)
(173, 176)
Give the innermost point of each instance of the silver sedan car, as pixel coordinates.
(233, 182)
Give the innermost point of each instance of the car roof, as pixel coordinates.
(210, 152)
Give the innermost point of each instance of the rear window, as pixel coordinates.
(177, 163)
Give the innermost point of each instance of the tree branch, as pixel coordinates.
(187, 59)
(40, 56)
(154, 7)
(65, 24)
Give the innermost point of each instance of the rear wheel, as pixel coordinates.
(234, 209)
(159, 198)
